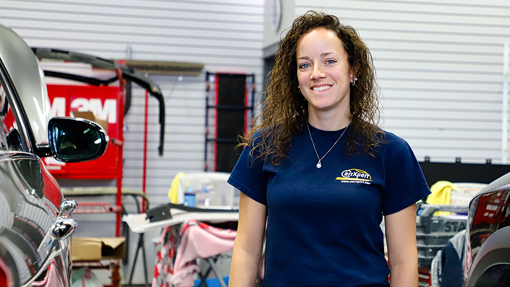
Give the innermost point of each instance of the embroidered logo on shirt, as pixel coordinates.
(355, 175)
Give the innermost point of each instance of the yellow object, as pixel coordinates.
(441, 194)
(173, 193)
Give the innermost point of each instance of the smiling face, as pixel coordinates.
(324, 74)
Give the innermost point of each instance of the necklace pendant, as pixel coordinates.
(319, 165)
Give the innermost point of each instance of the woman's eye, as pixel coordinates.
(330, 61)
(304, 66)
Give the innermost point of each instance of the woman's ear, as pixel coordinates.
(354, 72)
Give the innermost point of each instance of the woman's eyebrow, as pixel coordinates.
(326, 54)
(304, 58)
(322, 55)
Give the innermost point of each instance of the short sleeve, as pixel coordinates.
(405, 183)
(248, 176)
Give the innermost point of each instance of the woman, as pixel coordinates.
(322, 173)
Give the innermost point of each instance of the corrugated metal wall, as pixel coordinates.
(224, 35)
(439, 65)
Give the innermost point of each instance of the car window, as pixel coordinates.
(10, 138)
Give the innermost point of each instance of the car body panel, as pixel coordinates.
(25, 69)
(487, 259)
(32, 198)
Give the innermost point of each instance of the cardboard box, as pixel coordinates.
(90, 116)
(92, 248)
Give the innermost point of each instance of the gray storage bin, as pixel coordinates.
(432, 239)
(434, 232)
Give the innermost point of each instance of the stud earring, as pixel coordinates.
(299, 89)
(353, 83)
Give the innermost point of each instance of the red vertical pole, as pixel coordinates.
(145, 136)
(120, 146)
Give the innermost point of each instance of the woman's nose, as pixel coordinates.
(316, 73)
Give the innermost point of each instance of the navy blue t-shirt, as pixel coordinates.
(323, 225)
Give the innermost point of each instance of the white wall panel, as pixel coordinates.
(439, 66)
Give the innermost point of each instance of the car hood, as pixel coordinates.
(28, 79)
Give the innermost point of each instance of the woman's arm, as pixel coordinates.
(402, 251)
(248, 244)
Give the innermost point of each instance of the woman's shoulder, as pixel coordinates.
(391, 140)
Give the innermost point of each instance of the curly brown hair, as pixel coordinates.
(285, 113)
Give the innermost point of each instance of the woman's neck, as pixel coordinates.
(329, 122)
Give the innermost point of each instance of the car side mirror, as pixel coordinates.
(76, 139)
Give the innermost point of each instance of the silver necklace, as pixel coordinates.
(319, 164)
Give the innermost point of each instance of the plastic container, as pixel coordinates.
(210, 190)
(464, 193)
(189, 198)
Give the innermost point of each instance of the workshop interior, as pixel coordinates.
(123, 120)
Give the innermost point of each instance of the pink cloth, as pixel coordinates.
(166, 251)
(52, 278)
(199, 241)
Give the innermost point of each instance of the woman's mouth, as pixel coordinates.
(321, 88)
